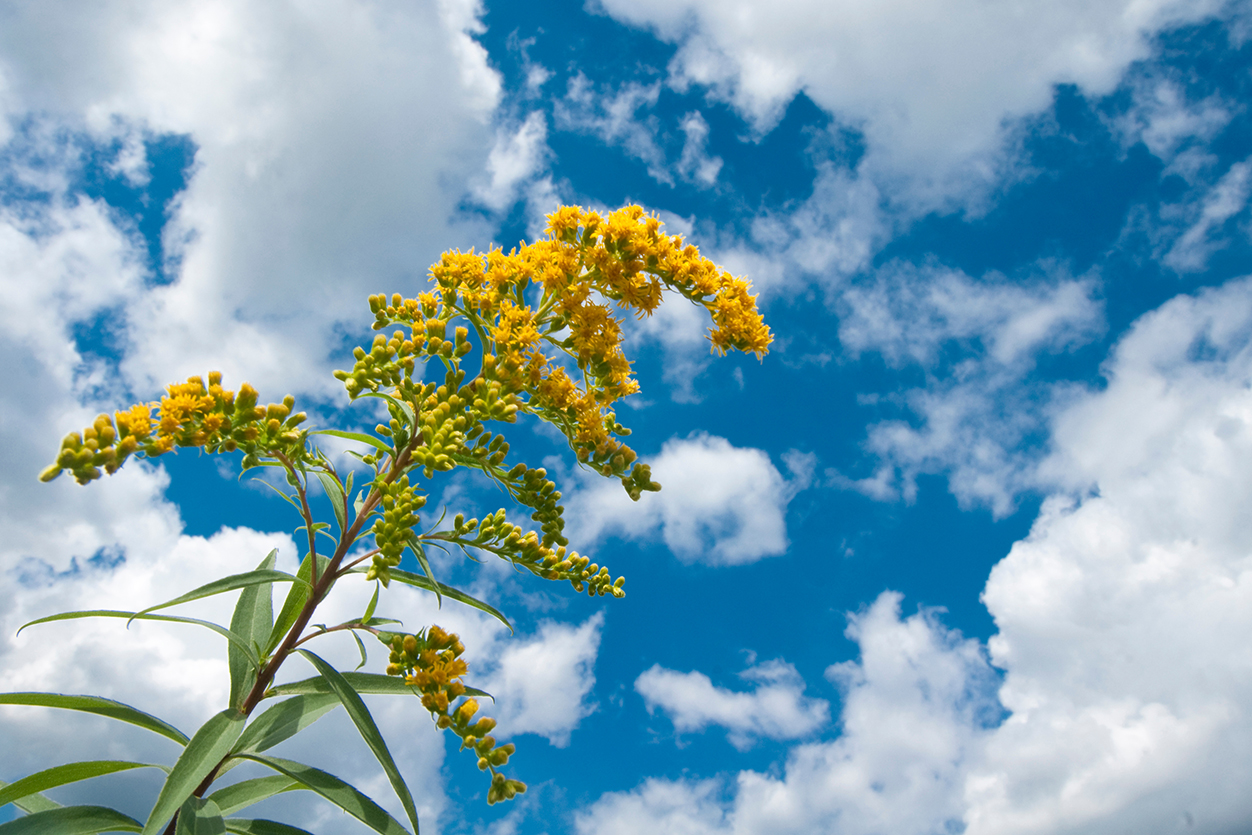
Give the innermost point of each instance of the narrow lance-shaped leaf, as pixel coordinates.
(200, 817)
(239, 643)
(337, 792)
(262, 827)
(368, 684)
(100, 707)
(420, 553)
(239, 796)
(411, 579)
(284, 720)
(234, 581)
(205, 750)
(361, 646)
(369, 610)
(252, 621)
(360, 715)
(62, 775)
(71, 820)
(334, 493)
(360, 437)
(32, 803)
(296, 598)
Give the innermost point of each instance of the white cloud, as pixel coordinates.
(971, 417)
(696, 164)
(913, 706)
(776, 708)
(313, 181)
(1223, 201)
(1119, 635)
(614, 117)
(62, 265)
(541, 685)
(931, 84)
(720, 504)
(515, 158)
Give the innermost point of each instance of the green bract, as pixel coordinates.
(537, 326)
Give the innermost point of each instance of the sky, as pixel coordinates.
(967, 552)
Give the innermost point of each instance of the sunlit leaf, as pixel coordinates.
(62, 775)
(410, 579)
(200, 817)
(98, 706)
(337, 792)
(71, 820)
(359, 437)
(365, 724)
(239, 796)
(243, 646)
(334, 492)
(252, 621)
(296, 598)
(207, 747)
(234, 581)
(262, 827)
(284, 720)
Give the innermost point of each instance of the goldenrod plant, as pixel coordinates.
(538, 324)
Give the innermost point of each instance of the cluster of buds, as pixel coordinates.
(497, 535)
(393, 529)
(190, 414)
(432, 663)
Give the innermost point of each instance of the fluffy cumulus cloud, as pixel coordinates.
(62, 265)
(776, 708)
(1128, 696)
(971, 417)
(312, 182)
(912, 706)
(721, 504)
(930, 84)
(1124, 698)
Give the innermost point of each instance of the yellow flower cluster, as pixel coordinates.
(432, 663)
(556, 351)
(190, 414)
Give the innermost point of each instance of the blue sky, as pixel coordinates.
(967, 552)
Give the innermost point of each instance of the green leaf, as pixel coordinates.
(367, 683)
(205, 750)
(359, 503)
(32, 803)
(369, 610)
(290, 499)
(234, 581)
(284, 720)
(244, 647)
(359, 437)
(62, 774)
(71, 820)
(334, 492)
(404, 408)
(252, 621)
(200, 817)
(296, 598)
(355, 706)
(262, 827)
(410, 579)
(233, 798)
(337, 792)
(361, 646)
(420, 553)
(98, 706)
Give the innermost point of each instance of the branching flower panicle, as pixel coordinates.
(431, 662)
(531, 331)
(190, 414)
